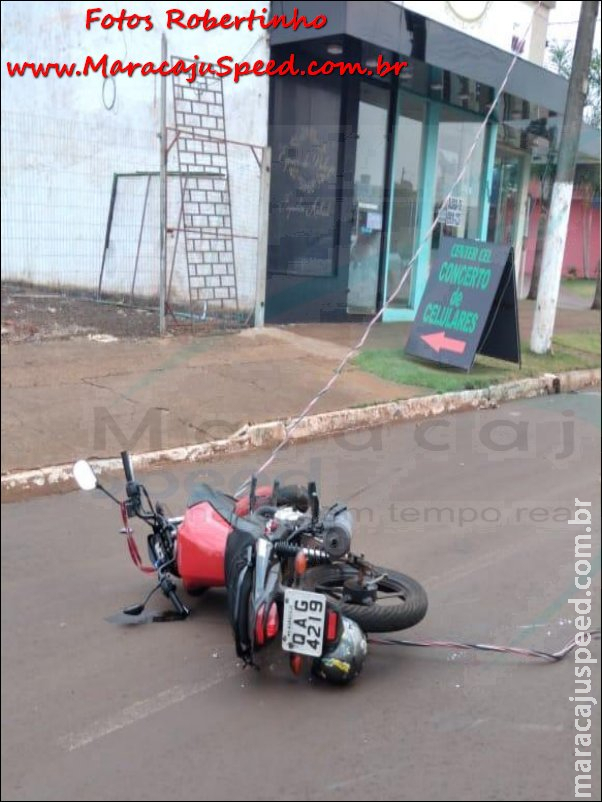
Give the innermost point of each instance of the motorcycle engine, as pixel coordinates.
(338, 530)
(288, 515)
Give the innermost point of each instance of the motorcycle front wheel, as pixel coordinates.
(397, 601)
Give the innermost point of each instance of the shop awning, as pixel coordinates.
(385, 26)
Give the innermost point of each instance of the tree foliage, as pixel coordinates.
(560, 60)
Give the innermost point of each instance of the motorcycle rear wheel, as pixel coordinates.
(401, 602)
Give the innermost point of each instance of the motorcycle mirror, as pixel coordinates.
(84, 475)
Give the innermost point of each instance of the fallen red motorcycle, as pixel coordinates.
(287, 566)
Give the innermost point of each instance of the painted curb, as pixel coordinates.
(268, 435)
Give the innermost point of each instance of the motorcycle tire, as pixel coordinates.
(374, 617)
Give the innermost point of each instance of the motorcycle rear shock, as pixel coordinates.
(314, 556)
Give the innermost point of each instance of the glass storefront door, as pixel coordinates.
(430, 145)
(368, 201)
(504, 208)
(460, 217)
(406, 194)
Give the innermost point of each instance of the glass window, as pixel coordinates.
(504, 209)
(305, 136)
(460, 218)
(407, 171)
(368, 200)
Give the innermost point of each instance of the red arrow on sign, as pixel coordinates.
(439, 342)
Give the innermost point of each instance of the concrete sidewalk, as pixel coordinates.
(62, 400)
(79, 398)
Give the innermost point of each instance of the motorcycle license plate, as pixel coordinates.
(303, 622)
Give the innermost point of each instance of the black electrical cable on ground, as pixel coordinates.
(551, 657)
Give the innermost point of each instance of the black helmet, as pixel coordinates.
(343, 662)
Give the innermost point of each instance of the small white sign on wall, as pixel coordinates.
(453, 212)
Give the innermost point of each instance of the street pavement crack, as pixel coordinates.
(98, 385)
(198, 429)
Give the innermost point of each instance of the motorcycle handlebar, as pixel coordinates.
(169, 589)
(181, 609)
(127, 466)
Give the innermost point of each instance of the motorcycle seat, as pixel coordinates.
(223, 504)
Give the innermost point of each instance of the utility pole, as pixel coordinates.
(560, 205)
(163, 193)
(262, 237)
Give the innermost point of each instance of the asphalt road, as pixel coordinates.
(475, 506)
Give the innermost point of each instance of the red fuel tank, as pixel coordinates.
(201, 547)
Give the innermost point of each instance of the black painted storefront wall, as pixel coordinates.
(311, 193)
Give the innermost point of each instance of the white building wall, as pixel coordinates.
(61, 145)
(495, 22)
